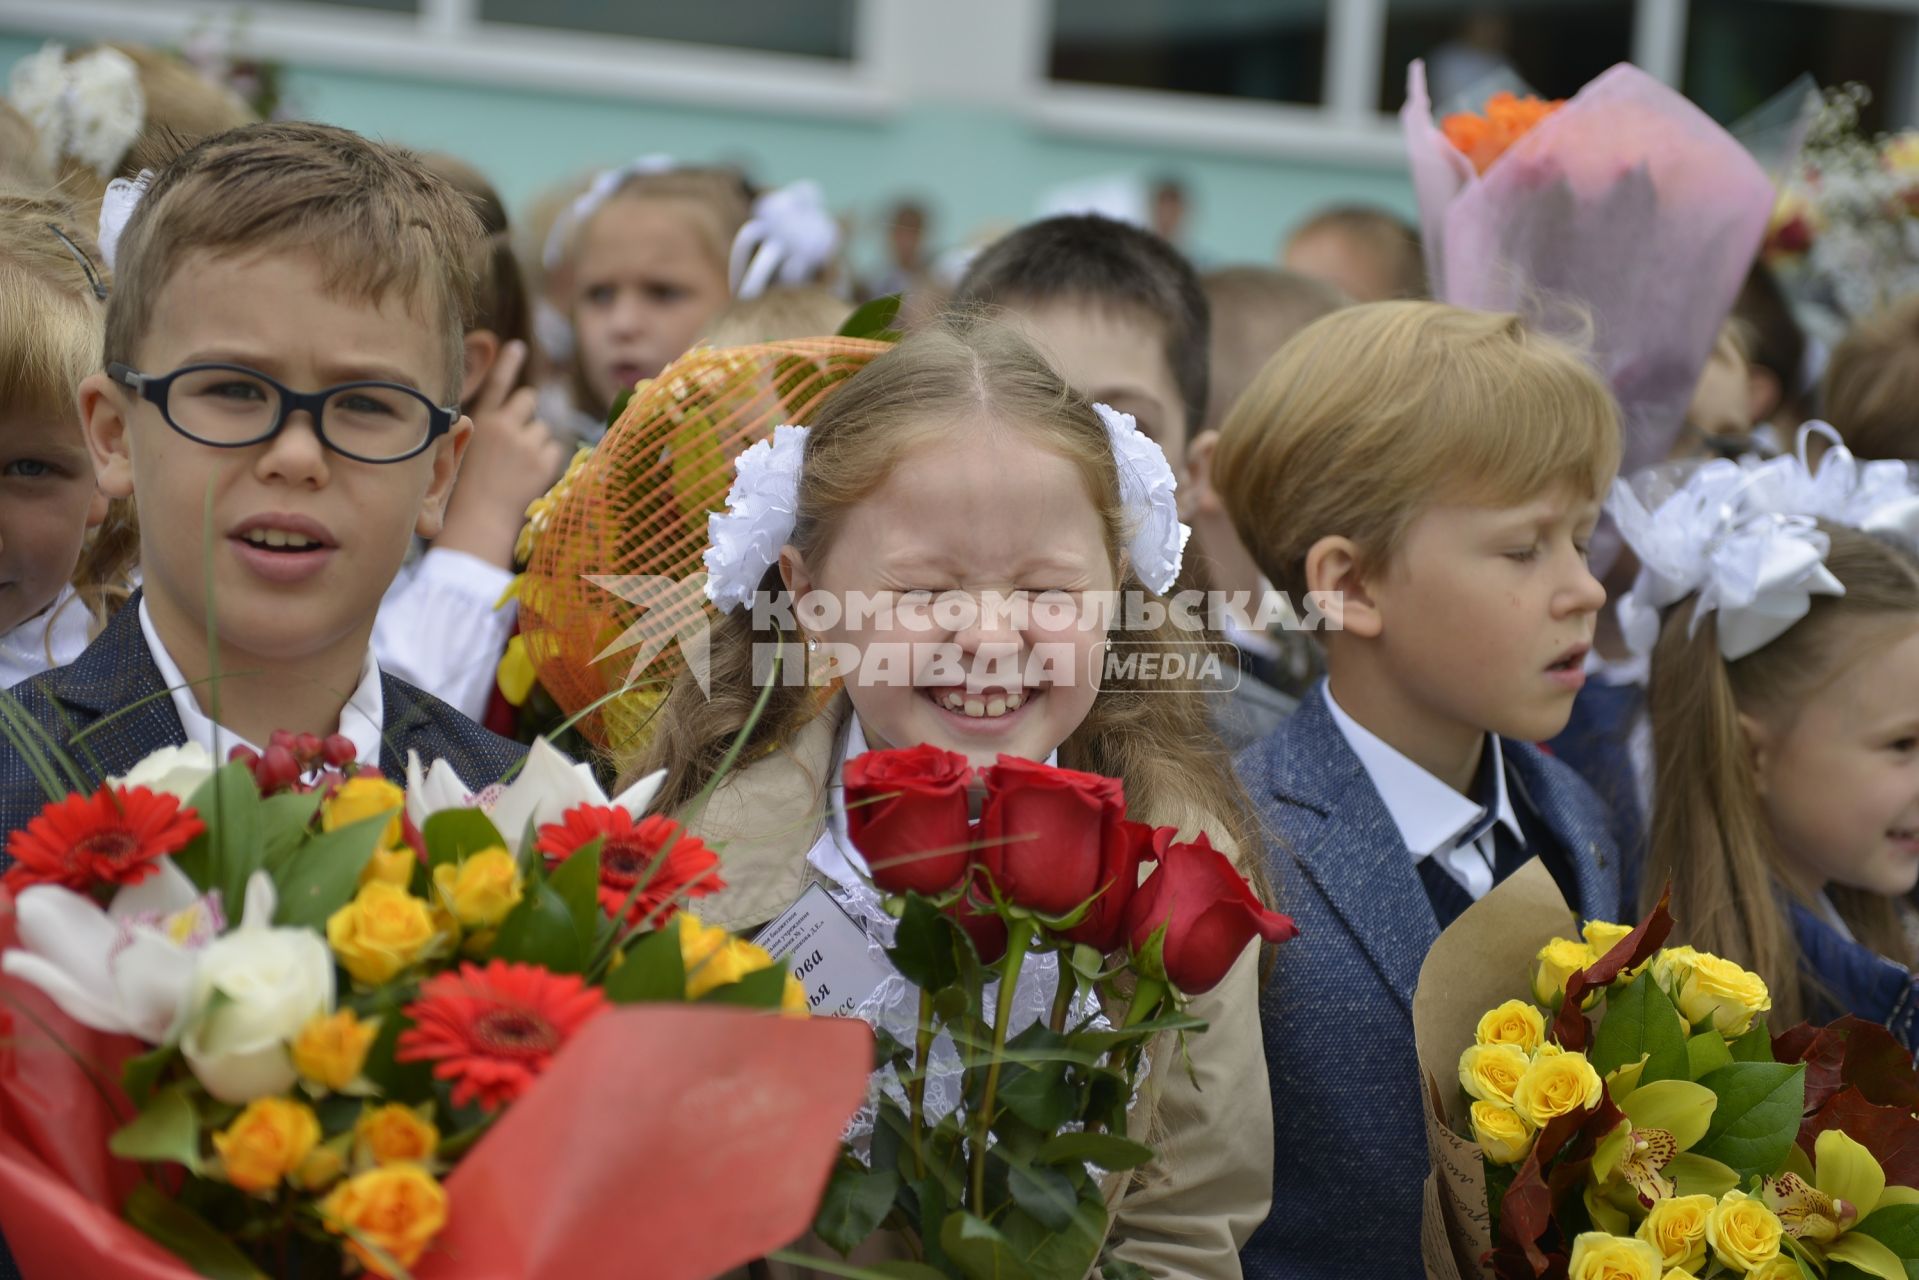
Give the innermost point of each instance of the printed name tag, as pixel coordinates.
(827, 951)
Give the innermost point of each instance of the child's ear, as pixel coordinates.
(447, 452)
(97, 509)
(103, 420)
(1199, 465)
(794, 573)
(482, 349)
(1758, 746)
(1336, 578)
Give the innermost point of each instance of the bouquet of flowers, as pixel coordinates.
(1844, 239)
(989, 1139)
(1539, 207)
(1632, 1117)
(285, 1016)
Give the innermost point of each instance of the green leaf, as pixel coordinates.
(1042, 1192)
(1058, 1253)
(1120, 1269)
(1868, 1255)
(577, 881)
(1755, 1045)
(1897, 1227)
(454, 834)
(922, 948)
(619, 406)
(187, 1236)
(878, 320)
(228, 852)
(542, 931)
(1760, 1107)
(323, 874)
(1107, 1150)
(140, 1076)
(284, 820)
(654, 969)
(395, 1079)
(856, 1200)
(1101, 1042)
(1706, 1053)
(1039, 1095)
(978, 1250)
(1642, 1019)
(761, 989)
(166, 1131)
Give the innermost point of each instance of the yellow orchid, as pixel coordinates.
(1648, 1156)
(1821, 1205)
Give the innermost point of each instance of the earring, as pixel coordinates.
(812, 644)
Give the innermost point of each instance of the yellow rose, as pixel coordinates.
(1517, 1022)
(1555, 965)
(1503, 1135)
(1598, 1256)
(1555, 1085)
(266, 1142)
(715, 958)
(1676, 1227)
(395, 1133)
(364, 796)
(793, 999)
(1743, 1233)
(324, 1165)
(331, 1049)
(1719, 992)
(398, 1207)
(1602, 936)
(1490, 1072)
(482, 889)
(382, 931)
(1783, 1267)
(394, 866)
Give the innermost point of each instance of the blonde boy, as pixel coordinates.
(282, 370)
(1436, 474)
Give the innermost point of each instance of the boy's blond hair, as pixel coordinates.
(793, 311)
(379, 220)
(1378, 412)
(1256, 311)
(1872, 384)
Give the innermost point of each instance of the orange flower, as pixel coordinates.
(398, 1208)
(1482, 139)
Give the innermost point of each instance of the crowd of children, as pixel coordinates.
(275, 400)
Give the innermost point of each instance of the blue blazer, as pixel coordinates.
(116, 673)
(1337, 1009)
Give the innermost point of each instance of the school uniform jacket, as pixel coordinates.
(1336, 1010)
(1186, 1218)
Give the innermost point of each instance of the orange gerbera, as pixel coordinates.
(631, 853)
(1482, 139)
(111, 837)
(492, 1031)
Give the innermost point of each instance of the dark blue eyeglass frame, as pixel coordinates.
(155, 390)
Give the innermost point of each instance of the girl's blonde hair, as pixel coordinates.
(1710, 835)
(52, 315)
(1152, 736)
(716, 201)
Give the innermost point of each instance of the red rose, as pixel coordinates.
(906, 813)
(1128, 846)
(1209, 914)
(1045, 831)
(983, 925)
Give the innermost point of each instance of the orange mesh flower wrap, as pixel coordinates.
(637, 508)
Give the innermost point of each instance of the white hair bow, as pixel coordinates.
(604, 184)
(789, 240)
(91, 108)
(116, 210)
(1745, 539)
(744, 540)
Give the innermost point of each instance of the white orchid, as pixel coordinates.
(127, 970)
(546, 787)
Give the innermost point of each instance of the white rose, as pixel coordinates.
(173, 771)
(271, 982)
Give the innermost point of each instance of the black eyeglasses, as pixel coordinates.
(230, 406)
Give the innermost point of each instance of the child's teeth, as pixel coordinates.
(1013, 700)
(996, 706)
(955, 702)
(975, 707)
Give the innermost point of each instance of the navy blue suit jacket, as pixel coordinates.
(1350, 1136)
(117, 674)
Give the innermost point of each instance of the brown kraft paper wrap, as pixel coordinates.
(1482, 960)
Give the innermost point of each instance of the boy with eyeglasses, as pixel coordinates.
(283, 365)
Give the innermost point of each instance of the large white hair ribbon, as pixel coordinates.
(91, 108)
(789, 240)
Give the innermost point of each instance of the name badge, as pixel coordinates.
(827, 951)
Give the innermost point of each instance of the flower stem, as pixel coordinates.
(1019, 939)
(1063, 998)
(916, 1087)
(1148, 996)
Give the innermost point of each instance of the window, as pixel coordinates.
(1263, 49)
(813, 28)
(1739, 53)
(1553, 46)
(386, 6)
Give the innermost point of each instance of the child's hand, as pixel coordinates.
(512, 460)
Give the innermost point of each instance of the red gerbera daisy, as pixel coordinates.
(111, 837)
(630, 853)
(494, 1030)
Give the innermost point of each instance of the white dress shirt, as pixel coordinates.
(439, 629)
(360, 719)
(1430, 815)
(51, 638)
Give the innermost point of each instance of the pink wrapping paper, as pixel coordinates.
(1629, 205)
